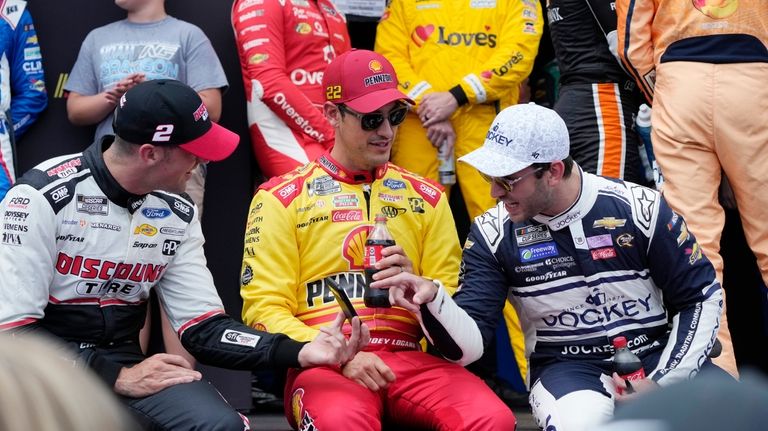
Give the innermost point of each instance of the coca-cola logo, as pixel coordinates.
(346, 215)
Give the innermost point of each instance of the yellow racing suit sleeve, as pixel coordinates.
(441, 255)
(511, 63)
(270, 272)
(635, 46)
(393, 41)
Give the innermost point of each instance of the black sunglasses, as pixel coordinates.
(374, 120)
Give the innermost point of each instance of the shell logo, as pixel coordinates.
(716, 9)
(375, 66)
(353, 248)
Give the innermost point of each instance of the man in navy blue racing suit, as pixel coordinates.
(583, 259)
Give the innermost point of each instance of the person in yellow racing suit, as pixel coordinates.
(312, 223)
(461, 64)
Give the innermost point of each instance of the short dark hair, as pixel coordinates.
(568, 162)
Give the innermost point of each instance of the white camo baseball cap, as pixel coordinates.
(520, 136)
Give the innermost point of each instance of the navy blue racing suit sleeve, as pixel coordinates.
(221, 341)
(28, 97)
(692, 296)
(483, 284)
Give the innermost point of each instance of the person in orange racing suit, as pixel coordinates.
(462, 64)
(312, 223)
(283, 51)
(703, 65)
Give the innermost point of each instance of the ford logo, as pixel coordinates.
(156, 212)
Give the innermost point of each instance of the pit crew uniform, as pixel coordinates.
(619, 261)
(78, 257)
(480, 51)
(598, 100)
(284, 46)
(22, 88)
(704, 68)
(311, 224)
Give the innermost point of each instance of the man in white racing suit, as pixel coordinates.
(85, 237)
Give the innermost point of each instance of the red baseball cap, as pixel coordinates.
(363, 80)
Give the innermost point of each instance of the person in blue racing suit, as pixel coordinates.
(22, 88)
(583, 259)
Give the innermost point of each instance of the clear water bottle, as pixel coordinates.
(626, 364)
(643, 128)
(447, 169)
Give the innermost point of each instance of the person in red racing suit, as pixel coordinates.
(284, 49)
(312, 223)
(85, 237)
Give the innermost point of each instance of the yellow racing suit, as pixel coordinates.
(313, 222)
(480, 50)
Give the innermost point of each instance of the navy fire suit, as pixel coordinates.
(618, 262)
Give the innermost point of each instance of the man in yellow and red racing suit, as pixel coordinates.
(703, 64)
(461, 64)
(312, 223)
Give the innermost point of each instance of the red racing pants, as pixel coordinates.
(428, 392)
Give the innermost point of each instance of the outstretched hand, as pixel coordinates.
(408, 290)
(331, 347)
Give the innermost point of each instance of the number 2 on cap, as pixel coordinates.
(163, 133)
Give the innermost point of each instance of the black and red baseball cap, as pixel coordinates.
(169, 112)
(363, 80)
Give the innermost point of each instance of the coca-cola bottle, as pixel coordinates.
(378, 238)
(626, 364)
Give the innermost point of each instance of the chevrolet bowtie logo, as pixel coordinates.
(609, 223)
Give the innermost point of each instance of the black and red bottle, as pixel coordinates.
(626, 364)
(378, 239)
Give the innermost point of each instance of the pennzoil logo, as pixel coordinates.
(303, 28)
(353, 247)
(145, 229)
(258, 58)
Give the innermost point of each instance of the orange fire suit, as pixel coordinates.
(311, 224)
(703, 63)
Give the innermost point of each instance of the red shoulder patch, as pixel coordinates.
(427, 189)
